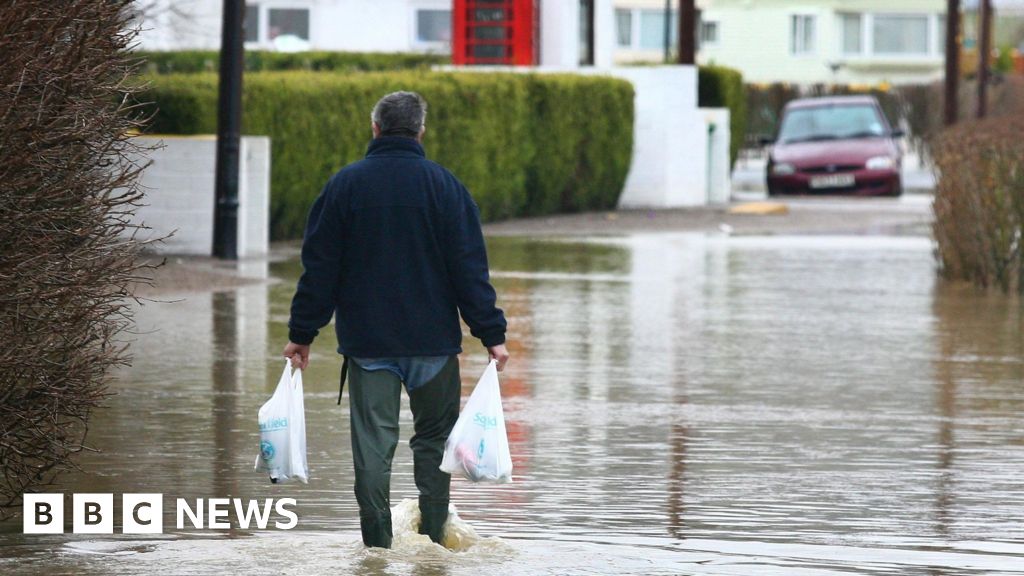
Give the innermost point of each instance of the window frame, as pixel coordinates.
(263, 41)
(414, 23)
(309, 20)
(861, 34)
(257, 8)
(631, 12)
(673, 29)
(635, 30)
(928, 41)
(701, 41)
(803, 17)
(934, 51)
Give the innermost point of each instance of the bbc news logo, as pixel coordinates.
(144, 513)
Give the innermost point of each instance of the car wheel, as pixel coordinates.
(897, 190)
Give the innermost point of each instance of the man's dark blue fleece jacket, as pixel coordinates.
(393, 248)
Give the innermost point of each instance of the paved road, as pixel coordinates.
(908, 215)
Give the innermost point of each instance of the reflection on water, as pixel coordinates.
(675, 404)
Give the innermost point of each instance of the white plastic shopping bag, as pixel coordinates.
(282, 423)
(477, 448)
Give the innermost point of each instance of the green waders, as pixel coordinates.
(375, 399)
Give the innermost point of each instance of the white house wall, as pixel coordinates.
(560, 37)
(180, 24)
(604, 33)
(349, 25)
(557, 48)
(754, 37)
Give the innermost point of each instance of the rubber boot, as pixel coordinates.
(376, 530)
(433, 516)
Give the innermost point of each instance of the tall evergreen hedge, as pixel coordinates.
(522, 143)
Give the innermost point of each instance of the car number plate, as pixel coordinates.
(832, 181)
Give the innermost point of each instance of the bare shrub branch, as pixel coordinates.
(68, 188)
(979, 202)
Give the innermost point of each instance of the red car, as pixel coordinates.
(836, 144)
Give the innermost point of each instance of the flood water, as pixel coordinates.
(676, 404)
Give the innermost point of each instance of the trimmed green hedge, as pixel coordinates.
(582, 132)
(721, 87)
(191, 61)
(522, 143)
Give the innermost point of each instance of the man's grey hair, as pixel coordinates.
(400, 114)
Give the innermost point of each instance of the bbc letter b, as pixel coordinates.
(93, 513)
(43, 514)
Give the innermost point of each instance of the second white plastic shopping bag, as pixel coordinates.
(477, 448)
(282, 421)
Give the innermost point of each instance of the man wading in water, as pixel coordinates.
(393, 248)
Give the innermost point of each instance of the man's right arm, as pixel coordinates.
(314, 301)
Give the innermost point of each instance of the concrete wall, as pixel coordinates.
(674, 162)
(669, 166)
(719, 179)
(179, 187)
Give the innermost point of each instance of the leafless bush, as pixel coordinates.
(67, 248)
(979, 202)
(922, 105)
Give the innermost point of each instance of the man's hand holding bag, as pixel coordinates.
(477, 447)
(282, 421)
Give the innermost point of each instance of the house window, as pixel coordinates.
(940, 44)
(433, 26)
(891, 35)
(850, 34)
(708, 33)
(624, 27)
(252, 23)
(802, 34)
(900, 35)
(652, 29)
(288, 22)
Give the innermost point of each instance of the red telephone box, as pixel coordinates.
(496, 32)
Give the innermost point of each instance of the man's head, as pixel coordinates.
(400, 114)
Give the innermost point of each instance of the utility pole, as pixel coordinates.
(984, 54)
(229, 128)
(668, 31)
(952, 60)
(687, 32)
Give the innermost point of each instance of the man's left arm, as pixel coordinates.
(314, 300)
(467, 263)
